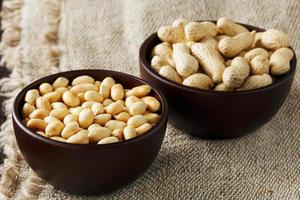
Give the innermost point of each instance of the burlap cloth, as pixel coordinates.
(79, 34)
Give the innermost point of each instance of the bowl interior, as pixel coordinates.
(153, 40)
(126, 80)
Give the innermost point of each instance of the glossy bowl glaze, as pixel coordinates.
(216, 114)
(89, 168)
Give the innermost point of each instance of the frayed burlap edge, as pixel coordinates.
(11, 52)
(33, 185)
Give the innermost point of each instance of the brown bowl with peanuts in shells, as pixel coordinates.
(221, 79)
(89, 131)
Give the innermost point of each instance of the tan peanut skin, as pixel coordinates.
(180, 48)
(93, 96)
(83, 79)
(45, 88)
(97, 83)
(79, 138)
(198, 80)
(117, 92)
(170, 34)
(169, 73)
(242, 53)
(228, 27)
(86, 118)
(280, 61)
(139, 91)
(31, 96)
(256, 81)
(186, 65)
(102, 119)
(259, 65)
(109, 82)
(158, 61)
(87, 104)
(54, 128)
(256, 52)
(70, 99)
(223, 87)
(137, 108)
(210, 61)
(118, 133)
(104, 91)
(220, 37)
(228, 63)
(236, 73)
(97, 108)
(43, 103)
(273, 39)
(257, 40)
(184, 62)
(39, 114)
(190, 43)
(50, 119)
(37, 124)
(129, 132)
(59, 113)
(60, 139)
(60, 82)
(152, 118)
(108, 140)
(143, 128)
(76, 111)
(195, 31)
(180, 22)
(61, 90)
(152, 103)
(122, 116)
(70, 129)
(162, 49)
(210, 41)
(58, 105)
(130, 100)
(136, 121)
(82, 88)
(115, 124)
(53, 96)
(98, 133)
(70, 118)
(114, 108)
(213, 43)
(230, 47)
(93, 126)
(27, 110)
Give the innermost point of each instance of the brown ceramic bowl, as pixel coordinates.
(213, 114)
(89, 168)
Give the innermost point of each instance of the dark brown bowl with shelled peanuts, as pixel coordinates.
(89, 168)
(212, 114)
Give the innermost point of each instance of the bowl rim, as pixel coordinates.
(147, 66)
(17, 118)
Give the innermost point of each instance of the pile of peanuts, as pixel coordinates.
(90, 111)
(224, 56)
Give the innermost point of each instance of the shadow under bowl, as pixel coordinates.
(215, 114)
(89, 168)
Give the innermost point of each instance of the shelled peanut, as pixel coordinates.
(222, 56)
(89, 111)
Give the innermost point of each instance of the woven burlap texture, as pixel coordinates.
(107, 35)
